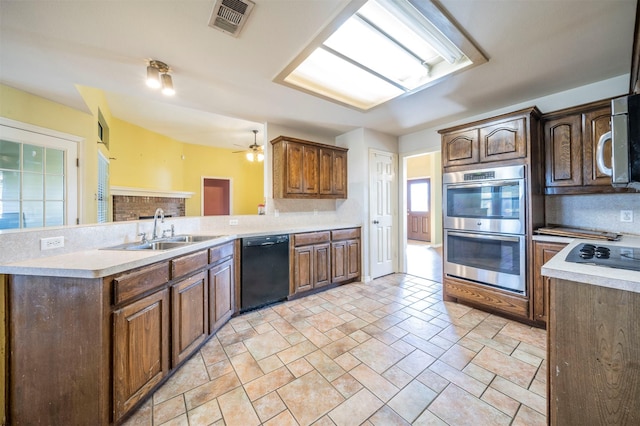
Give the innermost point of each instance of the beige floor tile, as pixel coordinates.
(356, 409)
(346, 385)
(325, 321)
(246, 367)
(385, 416)
(466, 382)
(299, 367)
(500, 401)
(524, 333)
(323, 421)
(416, 362)
(458, 356)
(268, 383)
(237, 410)
(181, 420)
(528, 417)
(524, 396)
(168, 410)
(142, 417)
(423, 345)
(339, 347)
(219, 369)
(235, 349)
(210, 390)
(267, 365)
(519, 372)
(283, 419)
(334, 334)
(397, 376)
(315, 336)
(539, 388)
(526, 357)
(212, 352)
(377, 355)
(458, 407)
(295, 352)
(205, 414)
(373, 381)
(479, 373)
(310, 397)
(427, 418)
(325, 365)
(268, 406)
(265, 345)
(433, 381)
(411, 401)
(192, 374)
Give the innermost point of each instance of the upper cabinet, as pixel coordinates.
(498, 139)
(304, 169)
(571, 138)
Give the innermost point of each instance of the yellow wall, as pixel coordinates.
(247, 178)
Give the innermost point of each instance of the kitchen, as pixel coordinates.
(568, 210)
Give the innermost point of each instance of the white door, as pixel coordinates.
(382, 212)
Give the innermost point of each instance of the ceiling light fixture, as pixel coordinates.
(158, 76)
(255, 154)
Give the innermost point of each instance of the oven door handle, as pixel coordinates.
(484, 237)
(481, 185)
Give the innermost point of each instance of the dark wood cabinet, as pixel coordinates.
(592, 355)
(189, 316)
(542, 253)
(324, 258)
(311, 261)
(345, 255)
(140, 349)
(499, 139)
(221, 294)
(304, 169)
(571, 138)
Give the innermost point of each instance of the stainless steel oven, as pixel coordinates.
(491, 259)
(491, 200)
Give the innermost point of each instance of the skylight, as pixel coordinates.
(386, 49)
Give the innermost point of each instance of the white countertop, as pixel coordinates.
(621, 279)
(98, 263)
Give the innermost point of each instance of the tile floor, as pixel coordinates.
(388, 352)
(424, 260)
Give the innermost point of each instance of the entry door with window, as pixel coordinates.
(418, 215)
(38, 177)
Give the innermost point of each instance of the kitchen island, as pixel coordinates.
(92, 332)
(593, 352)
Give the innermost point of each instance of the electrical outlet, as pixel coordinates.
(233, 221)
(626, 215)
(51, 243)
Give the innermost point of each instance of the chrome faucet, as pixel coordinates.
(160, 212)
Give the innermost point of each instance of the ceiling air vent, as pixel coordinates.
(229, 16)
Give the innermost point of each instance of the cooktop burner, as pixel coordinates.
(611, 256)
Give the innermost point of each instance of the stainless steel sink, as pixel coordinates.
(164, 243)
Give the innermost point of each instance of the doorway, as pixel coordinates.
(216, 196)
(418, 209)
(382, 212)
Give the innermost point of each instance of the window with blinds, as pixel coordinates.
(103, 189)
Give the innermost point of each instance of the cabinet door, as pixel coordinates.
(543, 252)
(596, 123)
(563, 147)
(503, 141)
(333, 173)
(221, 294)
(140, 349)
(189, 319)
(321, 265)
(303, 268)
(340, 259)
(353, 259)
(459, 148)
(302, 169)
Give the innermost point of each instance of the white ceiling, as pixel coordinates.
(225, 85)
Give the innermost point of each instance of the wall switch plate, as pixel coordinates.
(626, 215)
(51, 243)
(233, 221)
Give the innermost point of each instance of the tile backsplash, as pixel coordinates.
(596, 211)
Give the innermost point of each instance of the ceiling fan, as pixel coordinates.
(255, 151)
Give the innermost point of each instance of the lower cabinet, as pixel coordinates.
(140, 349)
(189, 316)
(542, 253)
(326, 257)
(221, 294)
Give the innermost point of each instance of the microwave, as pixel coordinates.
(625, 143)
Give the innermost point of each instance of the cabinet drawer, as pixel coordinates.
(138, 282)
(220, 252)
(311, 238)
(345, 234)
(189, 263)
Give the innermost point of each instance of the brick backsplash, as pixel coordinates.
(133, 208)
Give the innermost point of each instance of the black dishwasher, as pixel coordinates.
(265, 271)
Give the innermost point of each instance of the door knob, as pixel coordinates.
(375, 222)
